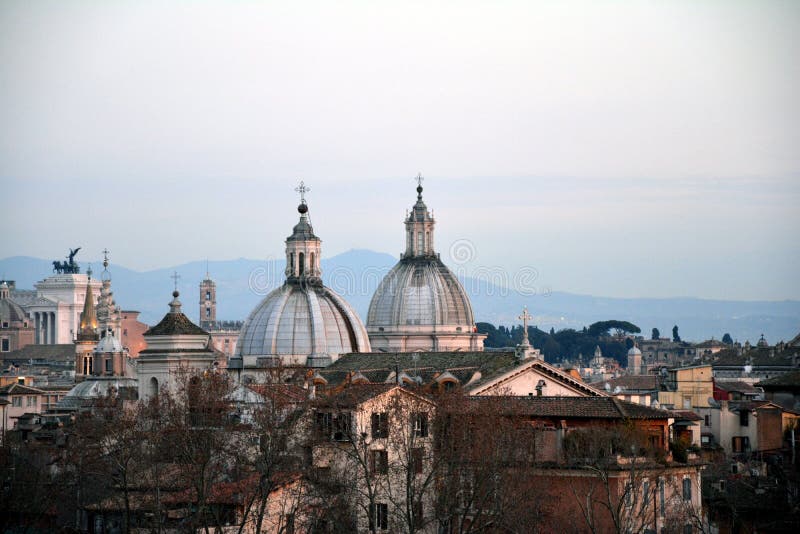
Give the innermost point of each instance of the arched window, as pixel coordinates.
(87, 365)
(312, 266)
(428, 239)
(291, 262)
(153, 386)
(420, 243)
(302, 263)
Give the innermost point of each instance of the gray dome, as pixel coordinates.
(10, 311)
(305, 324)
(420, 291)
(634, 350)
(97, 387)
(109, 343)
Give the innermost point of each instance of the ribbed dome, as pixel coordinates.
(303, 324)
(420, 291)
(11, 312)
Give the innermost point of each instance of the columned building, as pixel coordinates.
(420, 305)
(55, 307)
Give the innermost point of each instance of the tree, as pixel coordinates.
(675, 337)
(487, 484)
(601, 328)
(727, 339)
(656, 334)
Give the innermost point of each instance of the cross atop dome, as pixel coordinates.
(302, 189)
(175, 277)
(419, 178)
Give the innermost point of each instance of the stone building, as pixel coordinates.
(16, 328)
(54, 307)
(420, 304)
(175, 346)
(301, 323)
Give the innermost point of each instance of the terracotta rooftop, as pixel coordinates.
(634, 383)
(756, 356)
(737, 386)
(49, 353)
(355, 394)
(566, 407)
(19, 389)
(789, 380)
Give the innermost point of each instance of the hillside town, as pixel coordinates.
(303, 418)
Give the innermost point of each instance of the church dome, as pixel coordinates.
(109, 344)
(420, 304)
(301, 323)
(10, 311)
(420, 292)
(634, 350)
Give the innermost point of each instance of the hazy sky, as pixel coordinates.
(620, 148)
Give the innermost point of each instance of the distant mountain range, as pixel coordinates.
(242, 283)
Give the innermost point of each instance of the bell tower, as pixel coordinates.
(208, 302)
(419, 228)
(303, 248)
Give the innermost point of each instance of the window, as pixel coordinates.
(416, 460)
(87, 365)
(379, 516)
(420, 243)
(6, 346)
(5, 324)
(109, 365)
(335, 427)
(420, 422)
(708, 420)
(687, 489)
(31, 400)
(378, 462)
(380, 425)
(16, 402)
(208, 313)
(687, 403)
(301, 259)
(741, 444)
(208, 295)
(744, 417)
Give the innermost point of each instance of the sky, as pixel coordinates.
(624, 149)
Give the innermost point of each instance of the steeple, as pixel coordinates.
(419, 228)
(88, 328)
(303, 247)
(108, 314)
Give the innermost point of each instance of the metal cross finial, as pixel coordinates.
(419, 178)
(302, 189)
(175, 277)
(525, 317)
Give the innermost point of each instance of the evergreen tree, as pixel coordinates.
(675, 337)
(656, 334)
(727, 339)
